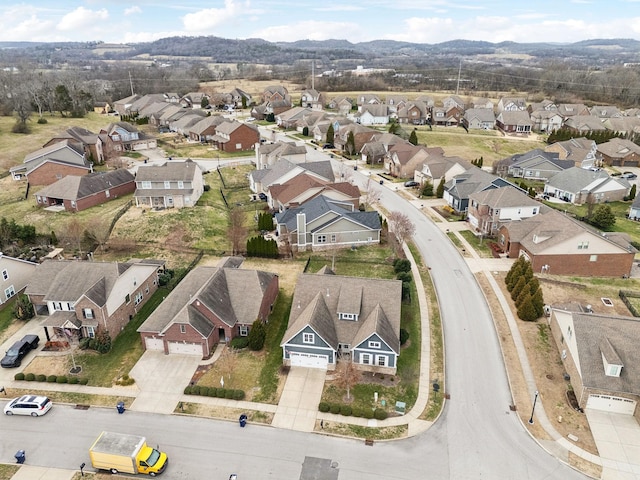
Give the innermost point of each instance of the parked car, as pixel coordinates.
(328, 145)
(34, 405)
(411, 183)
(262, 196)
(18, 350)
(629, 175)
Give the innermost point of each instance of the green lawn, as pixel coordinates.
(479, 244)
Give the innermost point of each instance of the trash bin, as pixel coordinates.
(120, 407)
(243, 420)
(20, 456)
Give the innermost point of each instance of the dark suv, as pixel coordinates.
(18, 350)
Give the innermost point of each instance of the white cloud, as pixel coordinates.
(132, 10)
(311, 30)
(209, 18)
(82, 19)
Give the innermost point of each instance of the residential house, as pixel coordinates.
(479, 119)
(568, 110)
(342, 318)
(277, 106)
(91, 142)
(211, 305)
(361, 135)
(275, 93)
(194, 100)
(605, 111)
(182, 124)
(102, 108)
(545, 104)
(536, 164)
(82, 299)
(490, 209)
(443, 117)
(584, 124)
(288, 118)
(558, 244)
(173, 184)
(267, 154)
(514, 121)
(634, 210)
(323, 223)
(48, 165)
(579, 186)
(122, 106)
(143, 102)
(395, 102)
(415, 113)
(601, 356)
(284, 170)
(426, 99)
(372, 115)
(623, 126)
(77, 193)
(204, 130)
(124, 137)
(311, 98)
(581, 151)
(437, 166)
(14, 276)
(403, 159)
(302, 188)
(234, 136)
(367, 99)
(240, 98)
(619, 152)
(512, 104)
(546, 121)
(259, 112)
(458, 190)
(482, 103)
(171, 97)
(343, 105)
(453, 101)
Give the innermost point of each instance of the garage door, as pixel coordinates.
(185, 348)
(611, 404)
(309, 360)
(154, 344)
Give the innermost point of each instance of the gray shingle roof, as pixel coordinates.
(173, 170)
(73, 187)
(575, 179)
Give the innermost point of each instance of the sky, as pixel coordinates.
(418, 21)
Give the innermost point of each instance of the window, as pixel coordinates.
(57, 306)
(73, 204)
(88, 313)
(243, 330)
(146, 290)
(91, 332)
(365, 358)
(5, 274)
(183, 328)
(593, 258)
(613, 370)
(348, 316)
(381, 360)
(374, 344)
(583, 245)
(322, 239)
(138, 298)
(308, 338)
(107, 193)
(146, 185)
(180, 184)
(238, 146)
(333, 238)
(127, 298)
(9, 292)
(167, 185)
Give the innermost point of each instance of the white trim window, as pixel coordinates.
(9, 292)
(321, 239)
(88, 313)
(381, 360)
(365, 358)
(243, 330)
(5, 274)
(373, 344)
(183, 328)
(180, 184)
(167, 185)
(146, 185)
(137, 298)
(308, 338)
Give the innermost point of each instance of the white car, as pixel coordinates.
(34, 405)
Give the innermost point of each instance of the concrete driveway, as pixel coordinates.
(298, 406)
(617, 437)
(161, 379)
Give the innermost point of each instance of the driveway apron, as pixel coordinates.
(298, 406)
(161, 379)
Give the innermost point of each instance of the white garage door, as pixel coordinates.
(185, 348)
(154, 344)
(308, 360)
(611, 404)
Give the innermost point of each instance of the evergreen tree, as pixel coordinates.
(534, 285)
(517, 288)
(526, 311)
(440, 189)
(257, 336)
(523, 294)
(427, 190)
(632, 192)
(603, 217)
(23, 308)
(330, 134)
(413, 138)
(527, 271)
(538, 303)
(351, 144)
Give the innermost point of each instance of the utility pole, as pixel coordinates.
(459, 71)
(313, 74)
(131, 83)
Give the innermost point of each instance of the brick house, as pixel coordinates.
(236, 136)
(560, 245)
(210, 305)
(92, 143)
(79, 193)
(80, 299)
(48, 165)
(619, 152)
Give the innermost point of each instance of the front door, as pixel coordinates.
(222, 335)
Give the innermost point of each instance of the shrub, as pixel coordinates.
(356, 412)
(239, 342)
(257, 335)
(19, 376)
(346, 410)
(84, 381)
(52, 378)
(238, 394)
(73, 380)
(42, 120)
(323, 407)
(41, 378)
(61, 379)
(380, 414)
(368, 414)
(404, 336)
(335, 409)
(228, 394)
(188, 390)
(30, 377)
(401, 265)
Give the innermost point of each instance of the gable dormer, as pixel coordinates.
(349, 303)
(610, 359)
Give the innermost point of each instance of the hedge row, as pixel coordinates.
(228, 393)
(349, 411)
(32, 377)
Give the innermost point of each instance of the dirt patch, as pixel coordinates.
(546, 364)
(49, 365)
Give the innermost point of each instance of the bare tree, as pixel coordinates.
(227, 361)
(401, 227)
(372, 195)
(347, 375)
(237, 230)
(98, 231)
(74, 233)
